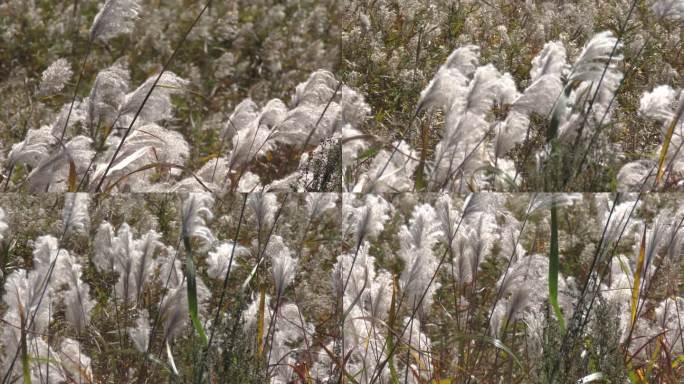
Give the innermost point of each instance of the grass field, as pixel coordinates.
(325, 191)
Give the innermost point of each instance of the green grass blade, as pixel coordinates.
(24, 358)
(637, 276)
(666, 143)
(394, 378)
(192, 293)
(26, 372)
(553, 268)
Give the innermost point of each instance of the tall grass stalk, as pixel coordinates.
(377, 372)
(147, 96)
(44, 286)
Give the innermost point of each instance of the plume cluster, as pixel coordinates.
(486, 117)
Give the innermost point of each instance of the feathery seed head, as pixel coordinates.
(55, 77)
(196, 212)
(115, 17)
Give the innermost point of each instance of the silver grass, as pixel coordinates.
(251, 313)
(23, 290)
(125, 255)
(144, 264)
(140, 333)
(416, 252)
(598, 76)
(464, 59)
(365, 348)
(316, 115)
(283, 265)
(364, 220)
(353, 144)
(457, 152)
(318, 89)
(423, 230)
(540, 97)
(73, 357)
(516, 302)
(103, 245)
(243, 115)
(534, 340)
(543, 201)
(287, 340)
(669, 9)
(618, 291)
(396, 177)
(174, 307)
(174, 311)
(318, 203)
(355, 110)
(448, 217)
(378, 300)
(55, 77)
(34, 148)
(619, 220)
(77, 299)
(214, 171)
(675, 157)
(3, 226)
(420, 364)
(658, 104)
(451, 79)
(38, 350)
(148, 144)
(250, 142)
(75, 216)
(116, 17)
(505, 90)
(107, 94)
(273, 113)
(218, 260)
(668, 319)
(550, 61)
(46, 251)
(509, 133)
(443, 89)
(637, 175)
(131, 258)
(479, 235)
(77, 118)
(360, 273)
(158, 106)
(656, 237)
(308, 121)
(53, 171)
(480, 94)
(592, 61)
(196, 212)
(263, 206)
(525, 289)
(359, 344)
(170, 268)
(249, 182)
